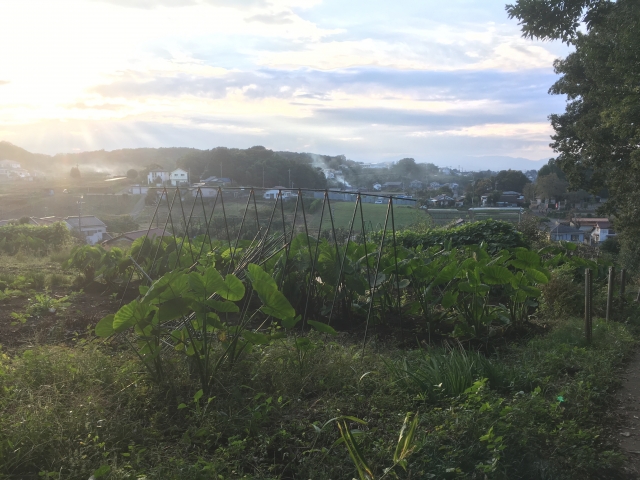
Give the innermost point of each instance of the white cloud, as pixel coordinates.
(281, 69)
(493, 130)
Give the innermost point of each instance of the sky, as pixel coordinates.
(452, 83)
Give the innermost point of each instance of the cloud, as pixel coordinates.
(149, 4)
(280, 18)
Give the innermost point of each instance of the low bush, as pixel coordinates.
(32, 239)
(497, 235)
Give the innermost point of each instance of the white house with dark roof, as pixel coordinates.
(155, 177)
(602, 231)
(567, 233)
(179, 177)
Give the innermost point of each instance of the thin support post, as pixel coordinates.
(612, 274)
(623, 286)
(588, 326)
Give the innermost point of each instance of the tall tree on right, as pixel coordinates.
(597, 138)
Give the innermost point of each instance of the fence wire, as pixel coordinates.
(257, 225)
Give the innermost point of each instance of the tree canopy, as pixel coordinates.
(551, 167)
(597, 138)
(252, 165)
(511, 180)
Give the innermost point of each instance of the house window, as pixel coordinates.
(574, 238)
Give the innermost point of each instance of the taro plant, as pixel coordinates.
(184, 310)
(181, 310)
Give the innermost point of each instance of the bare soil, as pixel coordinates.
(85, 311)
(628, 426)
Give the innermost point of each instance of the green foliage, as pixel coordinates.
(85, 258)
(497, 235)
(44, 304)
(120, 223)
(33, 239)
(511, 180)
(435, 375)
(596, 138)
(250, 166)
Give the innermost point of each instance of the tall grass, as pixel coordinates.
(435, 374)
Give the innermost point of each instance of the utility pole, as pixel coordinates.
(80, 217)
(289, 178)
(263, 175)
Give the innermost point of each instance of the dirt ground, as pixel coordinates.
(628, 428)
(85, 311)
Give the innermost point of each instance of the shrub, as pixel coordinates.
(563, 296)
(33, 239)
(120, 223)
(497, 235)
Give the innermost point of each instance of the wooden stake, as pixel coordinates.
(612, 273)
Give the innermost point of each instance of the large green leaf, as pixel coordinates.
(528, 258)
(160, 285)
(104, 328)
(537, 276)
(291, 322)
(225, 307)
(449, 299)
(128, 315)
(322, 327)
(496, 275)
(231, 289)
(274, 302)
(125, 317)
(256, 338)
(174, 308)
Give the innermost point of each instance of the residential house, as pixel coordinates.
(158, 176)
(377, 187)
(512, 198)
(596, 230)
(91, 227)
(273, 193)
(442, 200)
(416, 185)
(205, 191)
(601, 232)
(126, 239)
(179, 177)
(10, 165)
(567, 233)
(392, 186)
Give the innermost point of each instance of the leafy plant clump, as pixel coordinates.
(33, 239)
(497, 235)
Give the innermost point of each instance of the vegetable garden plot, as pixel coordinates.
(216, 286)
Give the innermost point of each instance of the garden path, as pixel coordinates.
(628, 431)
